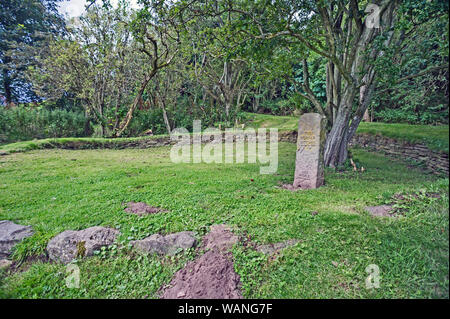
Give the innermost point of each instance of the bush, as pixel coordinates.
(144, 120)
(22, 123)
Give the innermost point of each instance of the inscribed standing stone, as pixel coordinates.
(310, 145)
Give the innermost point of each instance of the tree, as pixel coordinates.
(24, 24)
(413, 81)
(156, 31)
(96, 63)
(350, 35)
(223, 77)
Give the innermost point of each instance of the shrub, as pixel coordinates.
(22, 123)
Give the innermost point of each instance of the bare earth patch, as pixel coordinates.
(220, 237)
(212, 275)
(398, 204)
(141, 209)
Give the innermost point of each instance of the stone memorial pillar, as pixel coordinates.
(310, 146)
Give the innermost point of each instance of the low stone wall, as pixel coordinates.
(434, 160)
(113, 144)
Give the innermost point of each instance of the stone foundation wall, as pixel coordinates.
(434, 160)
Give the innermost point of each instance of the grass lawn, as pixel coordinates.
(55, 190)
(435, 137)
(283, 123)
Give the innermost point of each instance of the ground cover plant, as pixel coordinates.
(56, 190)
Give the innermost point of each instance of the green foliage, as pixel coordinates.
(24, 25)
(145, 120)
(413, 86)
(24, 123)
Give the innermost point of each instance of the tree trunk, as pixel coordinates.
(126, 121)
(87, 126)
(227, 109)
(162, 103)
(336, 143)
(166, 120)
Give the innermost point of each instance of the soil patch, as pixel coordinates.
(399, 203)
(212, 275)
(220, 237)
(141, 209)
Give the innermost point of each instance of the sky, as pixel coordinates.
(74, 8)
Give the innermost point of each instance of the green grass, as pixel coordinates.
(55, 190)
(283, 123)
(435, 137)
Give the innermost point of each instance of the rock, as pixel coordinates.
(10, 235)
(380, 211)
(309, 166)
(71, 244)
(5, 263)
(165, 245)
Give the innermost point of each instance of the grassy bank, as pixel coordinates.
(73, 143)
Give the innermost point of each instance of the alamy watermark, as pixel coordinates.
(73, 279)
(373, 279)
(373, 19)
(215, 146)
